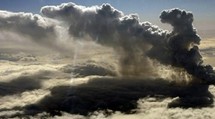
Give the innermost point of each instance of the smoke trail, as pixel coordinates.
(137, 42)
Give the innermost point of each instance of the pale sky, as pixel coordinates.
(148, 10)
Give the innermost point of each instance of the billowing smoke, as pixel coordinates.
(137, 42)
(110, 27)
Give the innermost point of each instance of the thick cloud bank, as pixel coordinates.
(45, 90)
(118, 95)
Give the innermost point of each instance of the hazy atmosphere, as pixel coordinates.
(107, 59)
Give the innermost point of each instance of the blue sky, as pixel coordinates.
(148, 10)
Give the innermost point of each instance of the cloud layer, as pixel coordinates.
(86, 88)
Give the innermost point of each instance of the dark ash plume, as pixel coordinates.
(137, 42)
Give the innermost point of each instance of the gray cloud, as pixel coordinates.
(32, 25)
(28, 27)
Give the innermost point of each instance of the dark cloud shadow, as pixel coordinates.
(118, 95)
(19, 85)
(23, 83)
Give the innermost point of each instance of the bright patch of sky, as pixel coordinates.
(148, 10)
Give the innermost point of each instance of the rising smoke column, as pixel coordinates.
(137, 41)
(183, 44)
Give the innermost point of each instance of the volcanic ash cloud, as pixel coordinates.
(137, 43)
